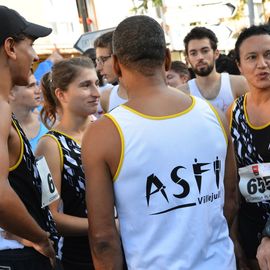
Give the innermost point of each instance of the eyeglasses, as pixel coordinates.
(102, 59)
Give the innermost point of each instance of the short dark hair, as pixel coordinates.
(91, 53)
(201, 33)
(227, 64)
(139, 44)
(180, 68)
(104, 41)
(254, 30)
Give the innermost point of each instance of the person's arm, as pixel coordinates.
(234, 233)
(67, 225)
(43, 68)
(263, 251)
(105, 100)
(12, 210)
(230, 177)
(239, 85)
(101, 149)
(263, 254)
(47, 64)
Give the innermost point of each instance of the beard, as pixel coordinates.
(203, 72)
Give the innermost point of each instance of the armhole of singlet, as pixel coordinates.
(219, 120)
(229, 82)
(122, 145)
(231, 114)
(22, 149)
(59, 149)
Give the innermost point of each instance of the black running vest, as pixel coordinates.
(25, 180)
(251, 146)
(72, 194)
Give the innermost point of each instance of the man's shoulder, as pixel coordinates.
(239, 85)
(102, 127)
(102, 139)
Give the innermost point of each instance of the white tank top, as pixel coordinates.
(115, 100)
(169, 190)
(224, 97)
(8, 244)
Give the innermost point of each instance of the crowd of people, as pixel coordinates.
(175, 174)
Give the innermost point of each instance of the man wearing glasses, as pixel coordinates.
(116, 95)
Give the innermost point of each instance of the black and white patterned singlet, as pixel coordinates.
(252, 146)
(25, 180)
(72, 194)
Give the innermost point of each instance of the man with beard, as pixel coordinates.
(218, 88)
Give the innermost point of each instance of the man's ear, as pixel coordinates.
(116, 66)
(187, 60)
(217, 53)
(9, 48)
(168, 60)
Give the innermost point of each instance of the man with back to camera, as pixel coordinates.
(218, 88)
(168, 190)
(20, 184)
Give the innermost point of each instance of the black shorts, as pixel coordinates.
(23, 259)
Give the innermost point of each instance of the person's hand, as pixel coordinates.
(45, 246)
(55, 56)
(263, 254)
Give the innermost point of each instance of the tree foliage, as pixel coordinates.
(143, 7)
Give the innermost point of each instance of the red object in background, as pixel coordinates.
(88, 20)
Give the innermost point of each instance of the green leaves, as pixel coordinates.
(143, 7)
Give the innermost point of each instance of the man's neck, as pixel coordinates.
(122, 93)
(6, 83)
(209, 86)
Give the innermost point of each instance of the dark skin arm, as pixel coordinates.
(100, 157)
(230, 177)
(12, 210)
(239, 252)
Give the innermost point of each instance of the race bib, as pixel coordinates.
(49, 192)
(255, 182)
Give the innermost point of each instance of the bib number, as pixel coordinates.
(49, 192)
(255, 182)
